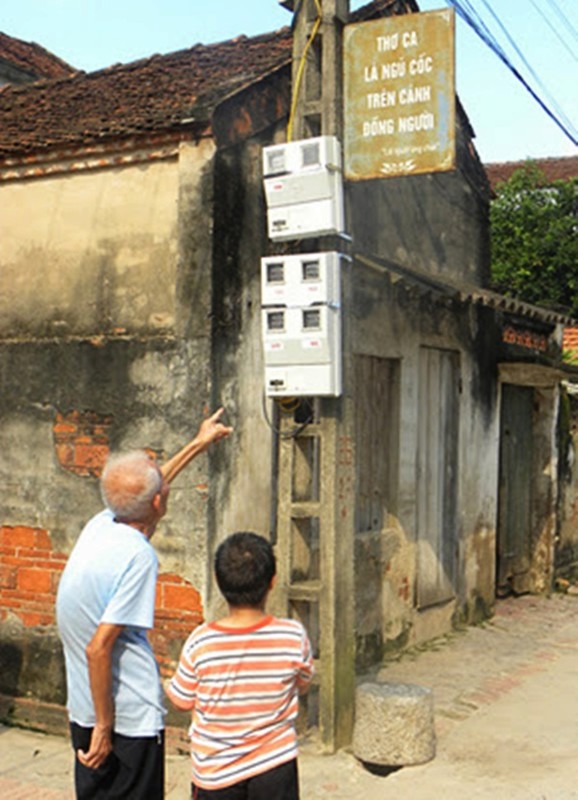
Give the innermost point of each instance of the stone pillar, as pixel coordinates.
(394, 724)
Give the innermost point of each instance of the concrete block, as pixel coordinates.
(394, 724)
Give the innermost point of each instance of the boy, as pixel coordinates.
(241, 677)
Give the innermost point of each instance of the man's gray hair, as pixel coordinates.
(128, 484)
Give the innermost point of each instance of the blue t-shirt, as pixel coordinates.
(110, 577)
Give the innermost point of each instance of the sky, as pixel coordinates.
(509, 124)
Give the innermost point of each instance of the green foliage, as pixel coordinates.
(534, 229)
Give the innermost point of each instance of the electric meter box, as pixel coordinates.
(301, 280)
(302, 351)
(304, 188)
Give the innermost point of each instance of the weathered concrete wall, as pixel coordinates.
(244, 473)
(105, 340)
(392, 322)
(90, 253)
(567, 544)
(436, 223)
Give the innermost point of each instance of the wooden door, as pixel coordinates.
(515, 490)
(437, 470)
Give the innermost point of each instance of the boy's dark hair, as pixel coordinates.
(244, 568)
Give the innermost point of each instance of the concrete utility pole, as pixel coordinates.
(316, 478)
(319, 82)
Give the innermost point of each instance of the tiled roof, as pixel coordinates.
(151, 95)
(32, 59)
(553, 168)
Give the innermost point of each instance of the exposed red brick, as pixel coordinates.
(43, 541)
(30, 620)
(7, 578)
(171, 577)
(10, 603)
(59, 557)
(81, 441)
(91, 456)
(18, 536)
(178, 611)
(38, 560)
(64, 427)
(65, 454)
(29, 574)
(35, 580)
(185, 598)
(15, 561)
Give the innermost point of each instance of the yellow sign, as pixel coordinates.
(399, 81)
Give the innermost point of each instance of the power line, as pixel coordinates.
(527, 65)
(467, 12)
(563, 18)
(554, 30)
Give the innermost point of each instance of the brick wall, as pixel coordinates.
(81, 441)
(29, 573)
(178, 611)
(30, 569)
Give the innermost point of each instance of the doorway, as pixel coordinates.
(514, 536)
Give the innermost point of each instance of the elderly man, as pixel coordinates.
(105, 606)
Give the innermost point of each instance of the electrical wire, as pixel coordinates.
(283, 405)
(466, 11)
(301, 68)
(563, 18)
(564, 44)
(526, 63)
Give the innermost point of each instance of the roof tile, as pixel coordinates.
(155, 94)
(553, 168)
(32, 58)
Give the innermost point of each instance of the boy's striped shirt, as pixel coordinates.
(242, 686)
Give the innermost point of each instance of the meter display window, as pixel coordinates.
(276, 161)
(310, 271)
(310, 155)
(276, 321)
(276, 272)
(311, 319)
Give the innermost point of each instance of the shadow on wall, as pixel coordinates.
(32, 662)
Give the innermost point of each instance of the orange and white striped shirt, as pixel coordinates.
(242, 685)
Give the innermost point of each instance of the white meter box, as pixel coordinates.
(302, 350)
(304, 188)
(301, 280)
(302, 156)
(304, 380)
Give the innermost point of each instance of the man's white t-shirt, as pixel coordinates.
(110, 577)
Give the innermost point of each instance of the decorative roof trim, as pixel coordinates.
(45, 170)
(114, 153)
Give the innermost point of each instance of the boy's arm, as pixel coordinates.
(306, 668)
(210, 430)
(177, 699)
(181, 689)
